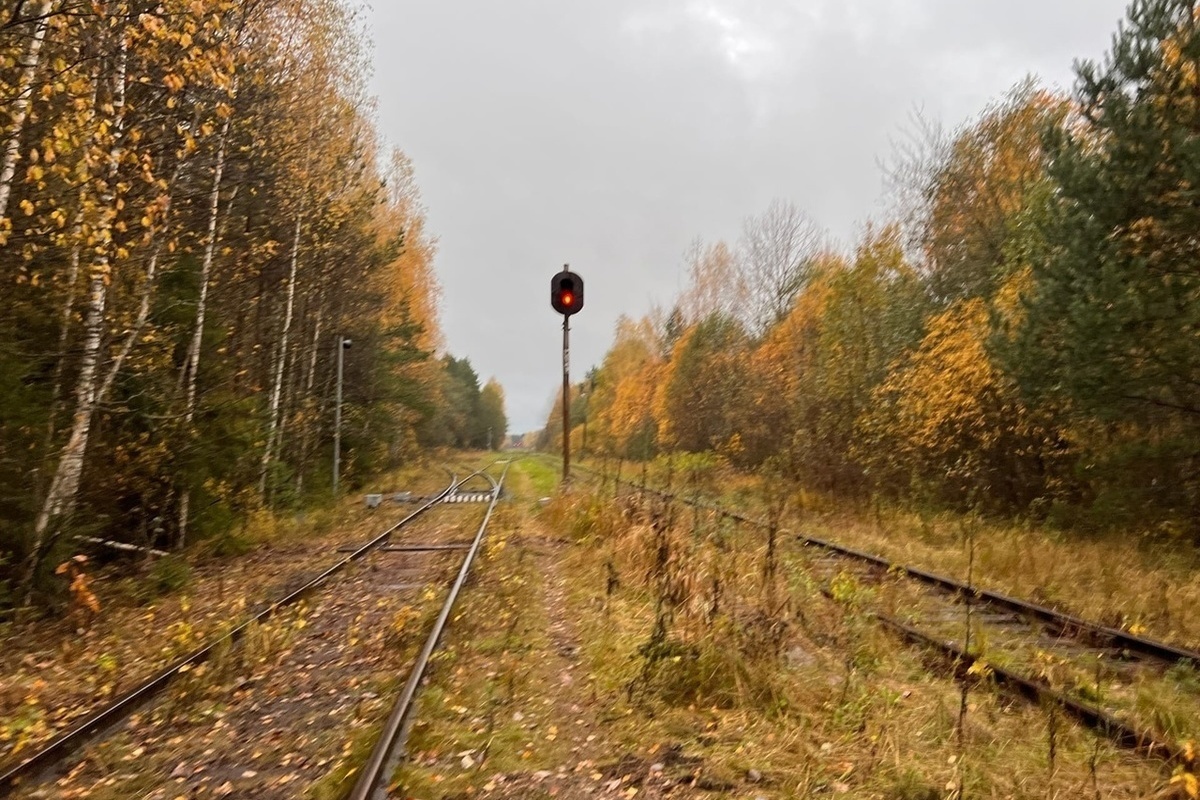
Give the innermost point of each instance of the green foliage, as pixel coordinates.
(464, 412)
(1112, 317)
(492, 419)
(1116, 304)
(168, 575)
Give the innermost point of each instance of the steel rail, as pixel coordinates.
(1120, 732)
(372, 781)
(1061, 622)
(71, 740)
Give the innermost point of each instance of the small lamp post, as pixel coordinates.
(343, 346)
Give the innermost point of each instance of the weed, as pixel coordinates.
(404, 629)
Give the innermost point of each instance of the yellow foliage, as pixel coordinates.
(82, 596)
(949, 415)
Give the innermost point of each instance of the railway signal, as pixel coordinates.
(566, 297)
(566, 293)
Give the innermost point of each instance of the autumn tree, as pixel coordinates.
(492, 417)
(715, 284)
(1023, 341)
(775, 259)
(194, 212)
(949, 426)
(622, 391)
(967, 189)
(870, 310)
(701, 386)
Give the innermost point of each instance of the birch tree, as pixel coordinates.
(196, 208)
(60, 498)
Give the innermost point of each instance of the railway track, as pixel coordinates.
(373, 779)
(45, 763)
(1104, 677)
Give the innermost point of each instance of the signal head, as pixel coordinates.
(566, 293)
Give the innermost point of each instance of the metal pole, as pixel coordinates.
(337, 417)
(566, 399)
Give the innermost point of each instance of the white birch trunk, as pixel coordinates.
(57, 401)
(20, 106)
(66, 478)
(281, 360)
(68, 308)
(64, 488)
(192, 364)
(64, 331)
(312, 358)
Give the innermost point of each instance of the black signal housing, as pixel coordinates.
(566, 293)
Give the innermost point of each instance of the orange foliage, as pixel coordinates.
(83, 599)
(949, 418)
(982, 186)
(619, 408)
(408, 281)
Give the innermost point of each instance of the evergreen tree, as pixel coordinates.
(1113, 320)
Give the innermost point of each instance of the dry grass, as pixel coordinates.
(777, 690)
(1147, 587)
(485, 685)
(838, 706)
(1136, 581)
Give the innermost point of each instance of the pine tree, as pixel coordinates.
(1114, 319)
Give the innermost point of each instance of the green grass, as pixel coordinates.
(543, 475)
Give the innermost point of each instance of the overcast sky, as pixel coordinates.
(610, 133)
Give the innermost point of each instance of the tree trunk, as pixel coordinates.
(280, 361)
(64, 488)
(192, 364)
(20, 106)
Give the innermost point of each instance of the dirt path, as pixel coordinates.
(597, 766)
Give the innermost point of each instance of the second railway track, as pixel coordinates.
(1139, 692)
